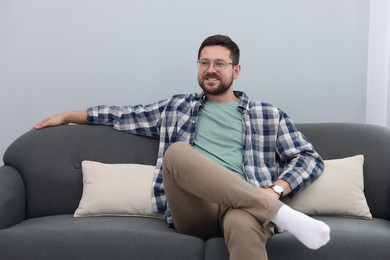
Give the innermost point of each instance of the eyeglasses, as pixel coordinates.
(218, 65)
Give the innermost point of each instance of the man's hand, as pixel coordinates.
(51, 121)
(77, 117)
(272, 194)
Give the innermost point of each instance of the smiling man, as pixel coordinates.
(213, 75)
(224, 161)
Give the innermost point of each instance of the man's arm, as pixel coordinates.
(77, 117)
(302, 163)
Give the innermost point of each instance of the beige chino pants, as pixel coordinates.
(208, 200)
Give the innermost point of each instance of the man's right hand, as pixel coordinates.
(77, 117)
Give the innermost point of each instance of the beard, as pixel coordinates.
(215, 89)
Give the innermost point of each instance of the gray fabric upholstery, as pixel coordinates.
(355, 239)
(65, 237)
(336, 140)
(41, 186)
(12, 196)
(49, 161)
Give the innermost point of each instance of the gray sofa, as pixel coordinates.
(41, 186)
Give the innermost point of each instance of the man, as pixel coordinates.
(224, 161)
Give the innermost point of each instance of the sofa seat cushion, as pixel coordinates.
(356, 239)
(65, 237)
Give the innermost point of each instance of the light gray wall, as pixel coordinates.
(308, 57)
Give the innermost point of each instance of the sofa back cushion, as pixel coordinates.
(49, 161)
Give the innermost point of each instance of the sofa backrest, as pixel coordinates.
(339, 140)
(50, 160)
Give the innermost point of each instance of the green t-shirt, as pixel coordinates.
(219, 134)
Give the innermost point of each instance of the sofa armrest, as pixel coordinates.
(12, 197)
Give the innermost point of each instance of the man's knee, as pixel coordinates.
(175, 155)
(176, 149)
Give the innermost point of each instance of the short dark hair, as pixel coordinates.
(224, 41)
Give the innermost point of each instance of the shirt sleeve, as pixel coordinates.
(139, 119)
(302, 164)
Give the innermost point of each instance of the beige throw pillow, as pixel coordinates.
(338, 191)
(116, 190)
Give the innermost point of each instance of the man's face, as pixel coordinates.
(212, 79)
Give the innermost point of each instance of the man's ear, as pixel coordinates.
(236, 71)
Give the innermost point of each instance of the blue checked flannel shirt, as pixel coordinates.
(272, 146)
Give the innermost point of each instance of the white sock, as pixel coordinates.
(311, 232)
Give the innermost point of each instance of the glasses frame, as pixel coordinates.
(199, 62)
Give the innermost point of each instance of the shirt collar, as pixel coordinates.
(244, 101)
(243, 104)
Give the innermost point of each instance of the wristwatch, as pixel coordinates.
(278, 189)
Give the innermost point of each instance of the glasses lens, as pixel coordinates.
(217, 64)
(204, 64)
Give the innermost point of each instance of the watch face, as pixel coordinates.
(278, 189)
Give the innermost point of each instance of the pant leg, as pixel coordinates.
(244, 236)
(191, 214)
(187, 171)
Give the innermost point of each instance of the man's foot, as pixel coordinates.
(311, 232)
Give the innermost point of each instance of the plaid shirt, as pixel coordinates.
(272, 146)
